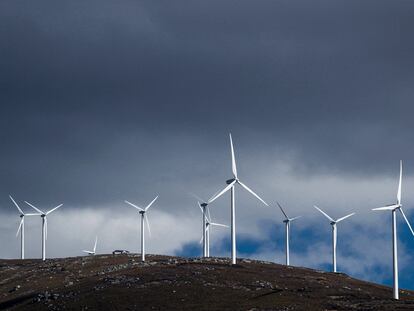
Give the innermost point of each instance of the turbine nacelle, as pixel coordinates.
(331, 220)
(287, 219)
(398, 206)
(229, 181)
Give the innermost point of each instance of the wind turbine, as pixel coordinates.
(21, 226)
(143, 211)
(44, 225)
(94, 248)
(203, 205)
(334, 233)
(207, 223)
(393, 208)
(231, 186)
(287, 222)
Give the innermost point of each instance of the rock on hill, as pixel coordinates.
(122, 282)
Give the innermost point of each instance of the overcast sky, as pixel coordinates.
(102, 101)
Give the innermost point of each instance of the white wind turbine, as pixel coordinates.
(231, 186)
(207, 223)
(287, 222)
(393, 208)
(21, 226)
(334, 233)
(43, 215)
(143, 211)
(204, 207)
(94, 248)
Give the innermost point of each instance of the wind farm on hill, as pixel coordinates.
(258, 284)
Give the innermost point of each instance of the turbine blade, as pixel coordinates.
(251, 191)
(406, 220)
(32, 214)
(294, 218)
(214, 195)
(14, 202)
(137, 207)
(152, 202)
(34, 207)
(148, 225)
(20, 226)
(399, 185)
(208, 213)
(282, 210)
(201, 240)
(386, 208)
(53, 209)
(201, 209)
(96, 241)
(345, 217)
(326, 215)
(197, 197)
(219, 225)
(213, 198)
(199, 205)
(233, 159)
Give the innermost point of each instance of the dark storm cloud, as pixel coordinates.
(100, 98)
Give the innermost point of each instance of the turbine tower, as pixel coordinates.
(287, 222)
(207, 223)
(144, 218)
(393, 208)
(231, 186)
(43, 215)
(94, 248)
(21, 226)
(334, 233)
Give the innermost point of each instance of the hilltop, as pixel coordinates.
(122, 282)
